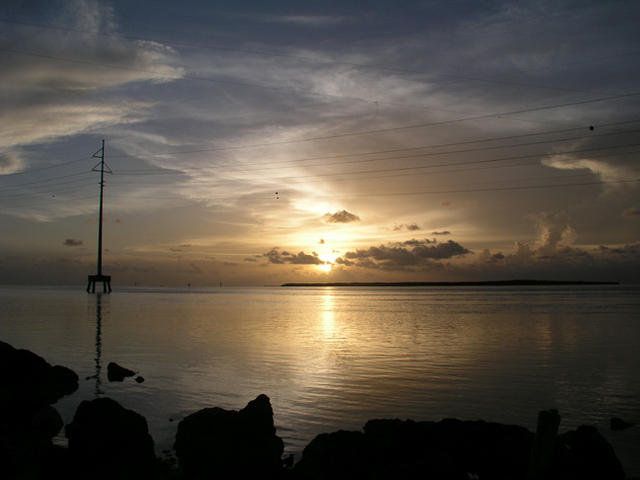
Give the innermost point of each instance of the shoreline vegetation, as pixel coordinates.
(106, 441)
(488, 283)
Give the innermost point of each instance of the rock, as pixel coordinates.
(116, 373)
(47, 422)
(337, 455)
(30, 382)
(619, 424)
(584, 454)
(29, 385)
(214, 442)
(139, 379)
(107, 440)
(449, 449)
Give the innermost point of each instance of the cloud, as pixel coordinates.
(554, 231)
(53, 81)
(302, 20)
(10, 162)
(412, 254)
(444, 232)
(281, 257)
(341, 216)
(631, 251)
(631, 212)
(72, 242)
(409, 226)
(414, 243)
(600, 154)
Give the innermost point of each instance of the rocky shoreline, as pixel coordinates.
(106, 440)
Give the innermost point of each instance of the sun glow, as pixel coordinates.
(328, 258)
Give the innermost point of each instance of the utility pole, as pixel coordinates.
(105, 279)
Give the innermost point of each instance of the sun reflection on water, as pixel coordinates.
(328, 317)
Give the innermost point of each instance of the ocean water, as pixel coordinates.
(332, 358)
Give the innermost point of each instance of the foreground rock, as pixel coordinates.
(117, 373)
(449, 449)
(107, 440)
(218, 443)
(452, 449)
(28, 422)
(584, 454)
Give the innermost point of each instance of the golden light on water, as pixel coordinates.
(327, 314)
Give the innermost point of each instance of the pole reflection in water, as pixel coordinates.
(98, 357)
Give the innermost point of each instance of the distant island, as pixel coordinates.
(491, 283)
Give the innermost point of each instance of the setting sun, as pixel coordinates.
(329, 258)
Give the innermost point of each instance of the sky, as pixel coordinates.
(257, 143)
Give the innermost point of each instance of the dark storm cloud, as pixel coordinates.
(281, 257)
(341, 216)
(414, 253)
(444, 232)
(409, 226)
(72, 242)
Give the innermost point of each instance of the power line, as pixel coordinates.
(366, 132)
(397, 194)
(51, 187)
(448, 164)
(499, 189)
(443, 122)
(35, 182)
(269, 165)
(438, 172)
(306, 59)
(39, 169)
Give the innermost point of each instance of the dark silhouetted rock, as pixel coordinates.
(584, 454)
(139, 379)
(30, 382)
(107, 440)
(47, 422)
(619, 424)
(29, 385)
(218, 443)
(337, 455)
(449, 449)
(116, 373)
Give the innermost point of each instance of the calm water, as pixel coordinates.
(333, 358)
